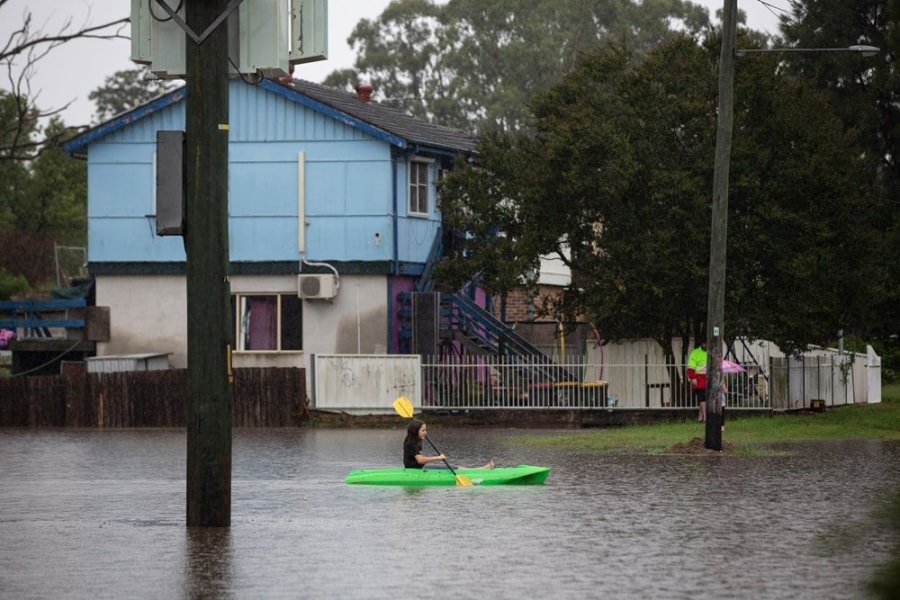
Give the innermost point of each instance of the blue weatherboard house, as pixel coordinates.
(333, 215)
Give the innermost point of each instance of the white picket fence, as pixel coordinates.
(499, 382)
(614, 376)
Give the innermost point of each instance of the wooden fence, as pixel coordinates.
(263, 397)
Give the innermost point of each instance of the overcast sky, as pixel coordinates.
(69, 73)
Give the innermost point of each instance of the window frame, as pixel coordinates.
(239, 331)
(419, 191)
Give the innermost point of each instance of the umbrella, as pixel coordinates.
(727, 367)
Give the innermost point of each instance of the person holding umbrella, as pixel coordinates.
(699, 373)
(696, 372)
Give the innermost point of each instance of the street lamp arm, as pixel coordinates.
(858, 49)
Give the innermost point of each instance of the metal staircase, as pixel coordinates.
(464, 327)
(436, 323)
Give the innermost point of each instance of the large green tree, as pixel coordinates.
(616, 181)
(865, 93)
(44, 203)
(55, 201)
(804, 224)
(22, 253)
(13, 173)
(474, 65)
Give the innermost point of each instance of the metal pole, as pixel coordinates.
(715, 327)
(209, 410)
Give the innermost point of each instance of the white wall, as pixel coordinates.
(356, 320)
(148, 314)
(365, 384)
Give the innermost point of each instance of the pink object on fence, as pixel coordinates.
(6, 336)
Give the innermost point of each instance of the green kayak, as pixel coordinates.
(521, 475)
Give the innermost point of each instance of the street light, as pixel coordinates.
(715, 330)
(857, 48)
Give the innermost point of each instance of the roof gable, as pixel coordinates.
(381, 122)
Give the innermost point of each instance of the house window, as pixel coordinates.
(418, 187)
(268, 322)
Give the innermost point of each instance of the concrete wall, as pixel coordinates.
(148, 314)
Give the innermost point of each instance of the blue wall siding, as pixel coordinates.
(350, 193)
(358, 235)
(415, 235)
(263, 238)
(342, 188)
(263, 189)
(112, 195)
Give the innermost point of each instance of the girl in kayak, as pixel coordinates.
(416, 432)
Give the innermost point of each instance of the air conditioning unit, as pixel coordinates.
(317, 287)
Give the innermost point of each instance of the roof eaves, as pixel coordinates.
(438, 150)
(328, 111)
(79, 143)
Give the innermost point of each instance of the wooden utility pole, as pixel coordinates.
(209, 323)
(718, 241)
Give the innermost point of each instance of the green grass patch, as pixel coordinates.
(891, 392)
(745, 435)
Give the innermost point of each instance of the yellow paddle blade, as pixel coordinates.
(403, 407)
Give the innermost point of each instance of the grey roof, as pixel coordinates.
(376, 119)
(386, 118)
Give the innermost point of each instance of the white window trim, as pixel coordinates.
(429, 182)
(239, 311)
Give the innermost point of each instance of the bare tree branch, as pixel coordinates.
(26, 46)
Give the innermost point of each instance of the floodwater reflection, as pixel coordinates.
(101, 514)
(208, 565)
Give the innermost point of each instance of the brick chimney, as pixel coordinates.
(289, 78)
(364, 91)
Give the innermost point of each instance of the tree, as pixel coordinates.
(44, 198)
(44, 203)
(401, 51)
(485, 203)
(13, 174)
(474, 65)
(865, 93)
(43, 193)
(614, 182)
(55, 199)
(125, 90)
(616, 179)
(631, 143)
(19, 57)
(804, 224)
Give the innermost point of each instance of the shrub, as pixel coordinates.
(10, 285)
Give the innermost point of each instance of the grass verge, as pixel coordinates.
(747, 435)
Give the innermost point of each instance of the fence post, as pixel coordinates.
(646, 381)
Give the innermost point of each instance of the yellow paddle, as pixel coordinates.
(404, 408)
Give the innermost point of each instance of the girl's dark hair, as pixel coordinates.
(412, 432)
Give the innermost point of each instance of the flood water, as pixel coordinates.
(100, 514)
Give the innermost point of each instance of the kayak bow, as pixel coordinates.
(521, 475)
